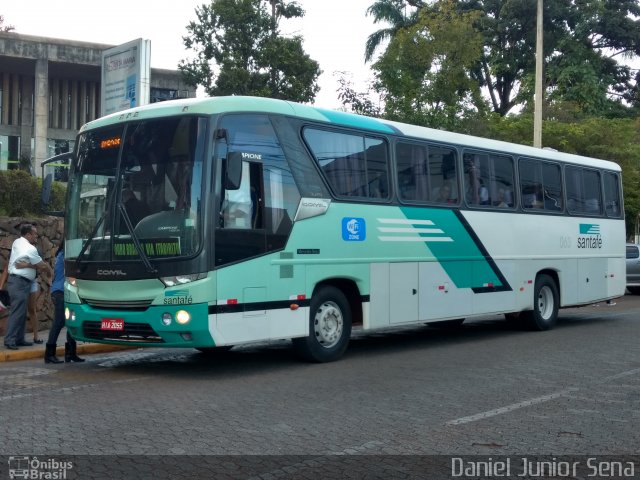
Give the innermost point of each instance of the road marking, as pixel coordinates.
(622, 375)
(510, 408)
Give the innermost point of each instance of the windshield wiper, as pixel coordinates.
(136, 241)
(91, 237)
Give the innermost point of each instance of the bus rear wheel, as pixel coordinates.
(329, 327)
(545, 305)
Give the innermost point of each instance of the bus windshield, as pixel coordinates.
(136, 186)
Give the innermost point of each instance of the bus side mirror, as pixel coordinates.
(233, 175)
(45, 196)
(47, 182)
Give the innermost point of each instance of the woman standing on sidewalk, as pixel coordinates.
(57, 295)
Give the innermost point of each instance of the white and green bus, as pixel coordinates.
(233, 220)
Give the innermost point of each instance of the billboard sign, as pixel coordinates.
(126, 71)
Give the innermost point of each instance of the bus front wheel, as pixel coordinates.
(545, 305)
(329, 327)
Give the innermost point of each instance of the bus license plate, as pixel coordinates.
(112, 324)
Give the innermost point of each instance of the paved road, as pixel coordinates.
(484, 389)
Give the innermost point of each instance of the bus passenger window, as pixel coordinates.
(611, 184)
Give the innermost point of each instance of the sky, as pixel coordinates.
(334, 31)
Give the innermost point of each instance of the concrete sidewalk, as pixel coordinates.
(37, 350)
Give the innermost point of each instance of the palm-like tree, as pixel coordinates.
(393, 12)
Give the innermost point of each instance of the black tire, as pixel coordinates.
(634, 290)
(513, 319)
(329, 327)
(545, 305)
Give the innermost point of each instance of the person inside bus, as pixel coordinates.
(136, 209)
(501, 201)
(444, 193)
(532, 196)
(483, 193)
(551, 202)
(472, 182)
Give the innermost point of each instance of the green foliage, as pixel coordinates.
(239, 51)
(20, 194)
(424, 73)
(356, 102)
(584, 43)
(393, 12)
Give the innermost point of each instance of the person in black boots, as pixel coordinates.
(57, 295)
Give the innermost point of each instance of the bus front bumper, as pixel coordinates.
(156, 326)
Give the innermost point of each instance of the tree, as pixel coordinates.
(3, 27)
(425, 70)
(239, 51)
(585, 67)
(583, 41)
(398, 14)
(357, 102)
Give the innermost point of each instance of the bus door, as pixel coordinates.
(239, 244)
(256, 219)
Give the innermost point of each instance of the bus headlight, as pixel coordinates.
(181, 279)
(183, 317)
(69, 314)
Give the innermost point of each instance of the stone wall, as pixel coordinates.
(50, 231)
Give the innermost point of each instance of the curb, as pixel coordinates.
(30, 353)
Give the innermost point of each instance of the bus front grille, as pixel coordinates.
(133, 332)
(118, 304)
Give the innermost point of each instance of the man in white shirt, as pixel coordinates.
(19, 284)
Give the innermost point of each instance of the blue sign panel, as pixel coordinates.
(353, 229)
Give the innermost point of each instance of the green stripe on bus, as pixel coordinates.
(455, 250)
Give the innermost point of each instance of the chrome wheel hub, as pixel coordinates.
(328, 324)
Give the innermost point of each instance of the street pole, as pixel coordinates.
(537, 114)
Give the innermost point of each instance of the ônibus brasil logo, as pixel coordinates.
(33, 467)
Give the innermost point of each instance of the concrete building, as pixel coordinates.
(49, 88)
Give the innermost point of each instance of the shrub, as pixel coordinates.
(20, 194)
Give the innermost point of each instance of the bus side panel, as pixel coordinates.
(567, 273)
(256, 301)
(440, 299)
(592, 281)
(617, 281)
(504, 301)
(379, 297)
(244, 327)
